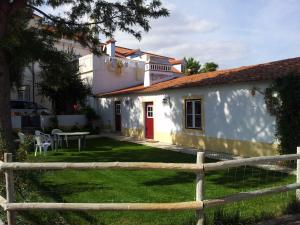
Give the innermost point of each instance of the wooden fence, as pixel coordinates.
(11, 207)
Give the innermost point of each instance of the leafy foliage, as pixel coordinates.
(130, 16)
(209, 67)
(61, 82)
(90, 113)
(24, 44)
(194, 67)
(25, 148)
(283, 101)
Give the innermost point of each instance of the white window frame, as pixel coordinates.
(118, 108)
(193, 114)
(151, 106)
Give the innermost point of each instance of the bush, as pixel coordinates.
(24, 148)
(90, 113)
(283, 101)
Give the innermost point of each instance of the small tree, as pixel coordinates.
(209, 67)
(192, 66)
(61, 82)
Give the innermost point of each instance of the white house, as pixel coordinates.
(223, 111)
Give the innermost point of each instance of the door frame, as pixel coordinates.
(145, 118)
(115, 115)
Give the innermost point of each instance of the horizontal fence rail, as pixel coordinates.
(248, 162)
(199, 168)
(103, 165)
(177, 206)
(251, 194)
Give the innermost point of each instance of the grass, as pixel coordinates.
(146, 186)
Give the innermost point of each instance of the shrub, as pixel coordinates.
(24, 148)
(283, 101)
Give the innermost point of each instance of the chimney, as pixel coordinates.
(111, 47)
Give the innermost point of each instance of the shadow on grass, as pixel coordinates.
(178, 178)
(55, 193)
(246, 177)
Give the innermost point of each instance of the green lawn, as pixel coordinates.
(145, 186)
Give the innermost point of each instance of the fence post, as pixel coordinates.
(199, 188)
(10, 192)
(298, 176)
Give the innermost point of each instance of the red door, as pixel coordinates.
(118, 116)
(149, 120)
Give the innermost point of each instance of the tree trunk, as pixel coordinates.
(5, 113)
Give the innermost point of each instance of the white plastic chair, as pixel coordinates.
(57, 139)
(44, 137)
(21, 137)
(40, 144)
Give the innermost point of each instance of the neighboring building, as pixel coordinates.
(28, 90)
(121, 67)
(222, 111)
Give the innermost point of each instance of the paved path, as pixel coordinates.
(284, 220)
(193, 151)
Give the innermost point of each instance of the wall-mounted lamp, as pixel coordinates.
(256, 89)
(166, 100)
(129, 103)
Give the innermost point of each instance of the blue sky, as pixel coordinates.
(231, 33)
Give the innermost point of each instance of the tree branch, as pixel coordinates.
(63, 21)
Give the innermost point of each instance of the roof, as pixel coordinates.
(176, 61)
(124, 52)
(259, 72)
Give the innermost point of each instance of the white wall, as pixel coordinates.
(101, 72)
(65, 121)
(230, 112)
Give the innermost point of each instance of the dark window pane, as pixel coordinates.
(189, 121)
(189, 107)
(197, 107)
(198, 123)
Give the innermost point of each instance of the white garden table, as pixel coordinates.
(79, 135)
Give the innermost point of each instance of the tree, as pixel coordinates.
(131, 16)
(209, 67)
(283, 101)
(61, 82)
(192, 66)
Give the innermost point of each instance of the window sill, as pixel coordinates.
(193, 131)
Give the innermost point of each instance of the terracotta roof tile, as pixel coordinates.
(123, 91)
(176, 61)
(260, 72)
(128, 51)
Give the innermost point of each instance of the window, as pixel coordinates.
(24, 93)
(193, 114)
(118, 108)
(150, 111)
